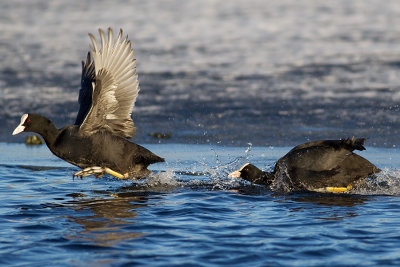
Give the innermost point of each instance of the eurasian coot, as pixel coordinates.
(326, 165)
(97, 141)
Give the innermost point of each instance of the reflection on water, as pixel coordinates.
(326, 206)
(103, 219)
(330, 200)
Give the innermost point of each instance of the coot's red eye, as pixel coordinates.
(246, 169)
(29, 121)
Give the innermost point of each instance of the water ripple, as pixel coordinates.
(193, 215)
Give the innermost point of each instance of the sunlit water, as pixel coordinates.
(222, 73)
(190, 213)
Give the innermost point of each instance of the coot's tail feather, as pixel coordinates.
(354, 143)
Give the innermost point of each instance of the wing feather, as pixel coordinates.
(115, 87)
(85, 93)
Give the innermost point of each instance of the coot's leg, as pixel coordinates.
(332, 189)
(339, 189)
(99, 172)
(96, 171)
(116, 174)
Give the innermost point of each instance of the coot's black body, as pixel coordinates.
(97, 142)
(316, 165)
(99, 149)
(102, 149)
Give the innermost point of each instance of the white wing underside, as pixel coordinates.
(115, 88)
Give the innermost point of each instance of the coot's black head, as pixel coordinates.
(32, 123)
(248, 172)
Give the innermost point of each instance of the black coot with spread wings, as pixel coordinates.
(326, 165)
(97, 141)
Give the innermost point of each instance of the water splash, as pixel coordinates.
(282, 182)
(387, 182)
(219, 173)
(166, 180)
(247, 151)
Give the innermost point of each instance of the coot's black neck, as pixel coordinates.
(50, 135)
(266, 178)
(48, 131)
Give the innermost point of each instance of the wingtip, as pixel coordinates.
(100, 30)
(87, 61)
(88, 58)
(93, 46)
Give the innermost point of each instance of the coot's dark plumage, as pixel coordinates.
(97, 142)
(327, 165)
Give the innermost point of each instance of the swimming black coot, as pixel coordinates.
(97, 141)
(326, 165)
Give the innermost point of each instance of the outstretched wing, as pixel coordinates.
(115, 87)
(85, 93)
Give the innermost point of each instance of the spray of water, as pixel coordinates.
(387, 182)
(166, 180)
(219, 173)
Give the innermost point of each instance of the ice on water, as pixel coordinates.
(283, 70)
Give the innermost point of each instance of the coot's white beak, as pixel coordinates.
(235, 174)
(20, 128)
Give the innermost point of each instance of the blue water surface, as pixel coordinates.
(226, 73)
(189, 213)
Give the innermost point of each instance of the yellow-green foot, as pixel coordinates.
(99, 172)
(339, 189)
(116, 174)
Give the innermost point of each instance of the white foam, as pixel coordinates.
(386, 182)
(163, 179)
